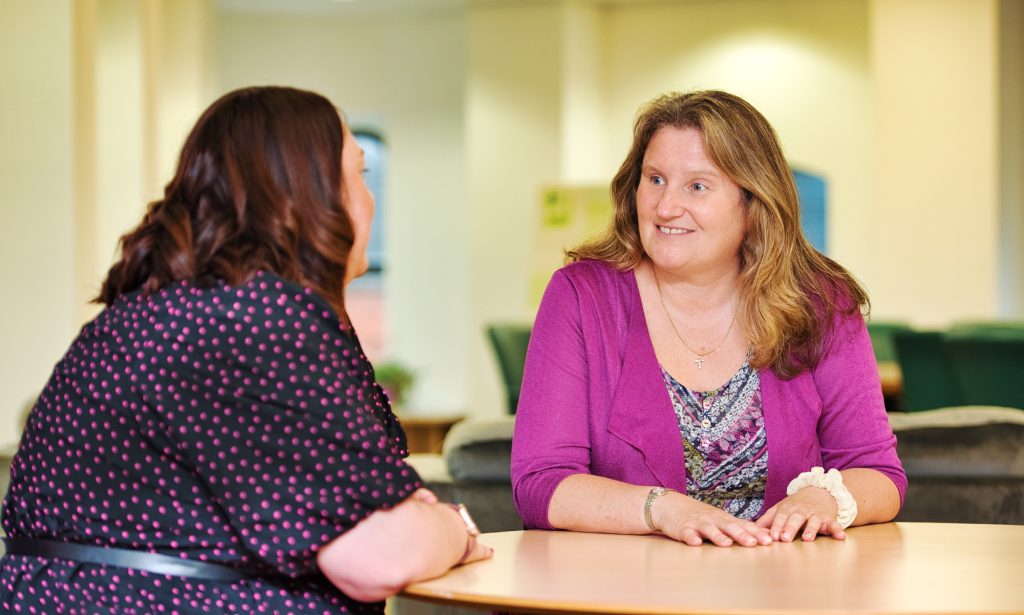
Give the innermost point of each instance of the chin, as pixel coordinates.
(356, 269)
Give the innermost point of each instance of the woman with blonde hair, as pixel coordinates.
(215, 441)
(700, 371)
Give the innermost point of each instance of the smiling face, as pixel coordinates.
(691, 216)
(358, 203)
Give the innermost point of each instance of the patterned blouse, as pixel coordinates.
(236, 425)
(724, 442)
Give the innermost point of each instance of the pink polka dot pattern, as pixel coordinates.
(236, 425)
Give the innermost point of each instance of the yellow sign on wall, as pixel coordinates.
(567, 216)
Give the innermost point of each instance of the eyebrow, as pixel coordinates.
(705, 172)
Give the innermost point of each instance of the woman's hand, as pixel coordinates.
(685, 519)
(811, 508)
(424, 495)
(480, 551)
(420, 538)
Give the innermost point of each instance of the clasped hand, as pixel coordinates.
(692, 522)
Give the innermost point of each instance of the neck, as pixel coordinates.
(710, 291)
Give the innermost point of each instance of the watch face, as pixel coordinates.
(470, 524)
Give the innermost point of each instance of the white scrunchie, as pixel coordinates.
(831, 481)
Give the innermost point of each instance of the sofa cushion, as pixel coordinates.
(434, 471)
(961, 442)
(959, 416)
(480, 450)
(964, 465)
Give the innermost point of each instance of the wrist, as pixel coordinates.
(651, 519)
(472, 531)
(832, 483)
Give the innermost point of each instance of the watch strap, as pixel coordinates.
(652, 495)
(472, 531)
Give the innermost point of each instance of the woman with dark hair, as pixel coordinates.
(214, 441)
(696, 370)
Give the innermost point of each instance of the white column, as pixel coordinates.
(36, 200)
(1011, 150)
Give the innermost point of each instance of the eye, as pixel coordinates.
(657, 180)
(699, 187)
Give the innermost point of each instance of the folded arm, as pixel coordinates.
(418, 539)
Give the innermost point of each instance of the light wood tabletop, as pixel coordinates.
(901, 568)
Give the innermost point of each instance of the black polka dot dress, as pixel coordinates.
(235, 425)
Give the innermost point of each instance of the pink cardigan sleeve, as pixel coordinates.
(854, 430)
(552, 438)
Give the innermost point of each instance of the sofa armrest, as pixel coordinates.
(961, 442)
(964, 465)
(434, 471)
(480, 450)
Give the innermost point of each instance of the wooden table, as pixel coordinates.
(890, 568)
(891, 377)
(425, 433)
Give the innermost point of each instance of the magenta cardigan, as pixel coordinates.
(593, 400)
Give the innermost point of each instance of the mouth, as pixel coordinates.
(668, 230)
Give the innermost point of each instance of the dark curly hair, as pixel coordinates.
(258, 187)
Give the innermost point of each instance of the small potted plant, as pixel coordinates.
(396, 379)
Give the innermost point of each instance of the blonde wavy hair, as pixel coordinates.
(789, 292)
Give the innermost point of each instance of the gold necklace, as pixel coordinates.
(700, 355)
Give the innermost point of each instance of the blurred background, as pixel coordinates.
(910, 112)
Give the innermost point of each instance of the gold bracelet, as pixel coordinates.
(653, 494)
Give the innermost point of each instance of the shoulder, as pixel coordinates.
(266, 305)
(264, 294)
(593, 277)
(847, 321)
(596, 293)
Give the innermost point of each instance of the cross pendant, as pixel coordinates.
(699, 361)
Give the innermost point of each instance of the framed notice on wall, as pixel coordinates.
(566, 216)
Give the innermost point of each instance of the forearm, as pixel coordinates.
(587, 503)
(391, 548)
(877, 498)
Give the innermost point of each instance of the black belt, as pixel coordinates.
(124, 558)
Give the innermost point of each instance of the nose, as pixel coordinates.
(670, 205)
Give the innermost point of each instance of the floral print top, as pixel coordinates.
(724, 442)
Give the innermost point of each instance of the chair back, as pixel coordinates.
(509, 342)
(988, 370)
(1010, 329)
(928, 380)
(881, 332)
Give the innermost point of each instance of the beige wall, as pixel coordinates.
(120, 152)
(802, 63)
(935, 85)
(149, 77)
(513, 122)
(484, 105)
(36, 208)
(94, 90)
(404, 77)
